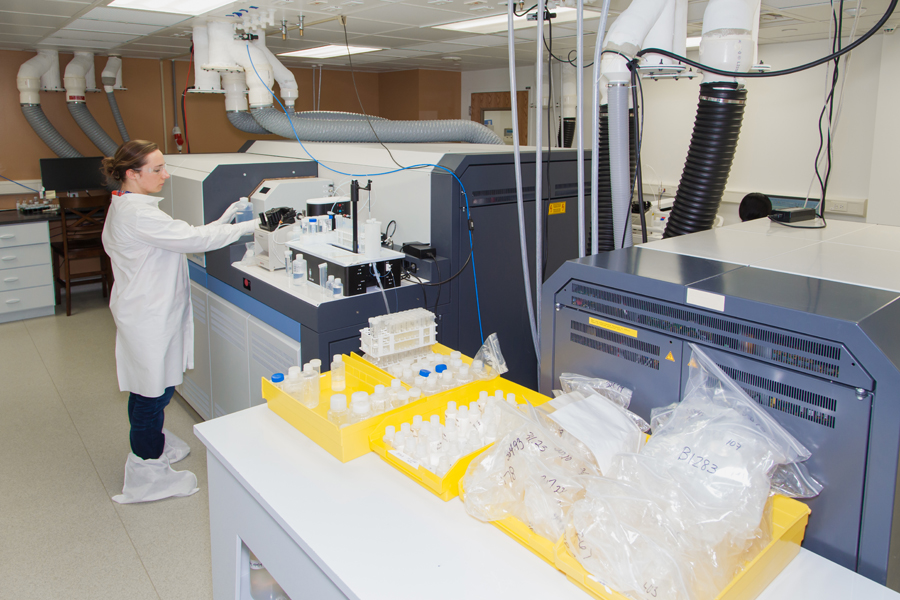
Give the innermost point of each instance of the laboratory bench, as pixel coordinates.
(363, 530)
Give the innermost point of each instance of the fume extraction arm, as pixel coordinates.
(78, 79)
(37, 73)
(260, 69)
(111, 78)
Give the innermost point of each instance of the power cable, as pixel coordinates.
(187, 141)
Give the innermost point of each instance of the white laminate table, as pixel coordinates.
(363, 530)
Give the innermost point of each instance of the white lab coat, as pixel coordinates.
(151, 297)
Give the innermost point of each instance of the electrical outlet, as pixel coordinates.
(838, 206)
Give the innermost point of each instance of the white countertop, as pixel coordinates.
(844, 251)
(381, 535)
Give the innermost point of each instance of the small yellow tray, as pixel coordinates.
(789, 518)
(446, 487)
(344, 443)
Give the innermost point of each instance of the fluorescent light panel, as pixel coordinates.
(181, 7)
(499, 22)
(329, 51)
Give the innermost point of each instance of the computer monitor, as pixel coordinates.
(72, 174)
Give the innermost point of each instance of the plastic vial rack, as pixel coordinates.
(406, 333)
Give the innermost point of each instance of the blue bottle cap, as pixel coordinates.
(277, 377)
(440, 368)
(424, 372)
(312, 220)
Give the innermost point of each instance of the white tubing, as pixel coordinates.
(221, 39)
(727, 41)
(520, 203)
(51, 80)
(28, 79)
(679, 39)
(204, 79)
(595, 121)
(111, 73)
(627, 32)
(579, 128)
(74, 78)
(620, 164)
(538, 178)
(287, 83)
(247, 56)
(235, 86)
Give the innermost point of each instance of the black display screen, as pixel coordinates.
(72, 174)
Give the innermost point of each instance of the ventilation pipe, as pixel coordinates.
(662, 35)
(236, 107)
(287, 84)
(112, 74)
(727, 44)
(205, 80)
(42, 71)
(75, 100)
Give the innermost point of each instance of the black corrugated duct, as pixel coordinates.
(708, 164)
(606, 239)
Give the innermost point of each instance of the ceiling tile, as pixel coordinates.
(43, 7)
(481, 40)
(356, 25)
(72, 34)
(64, 43)
(26, 39)
(11, 18)
(439, 47)
(24, 30)
(110, 27)
(127, 15)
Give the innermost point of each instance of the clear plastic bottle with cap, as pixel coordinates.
(323, 275)
(447, 381)
(431, 385)
(402, 398)
(310, 383)
(360, 407)
(478, 370)
(380, 401)
(464, 375)
(389, 433)
(299, 272)
(278, 380)
(407, 377)
(419, 380)
(416, 424)
(406, 428)
(338, 374)
(511, 399)
(316, 365)
(338, 413)
(292, 382)
(289, 266)
(396, 386)
(399, 442)
(450, 414)
(338, 288)
(462, 421)
(414, 393)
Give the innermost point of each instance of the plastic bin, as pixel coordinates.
(344, 443)
(789, 518)
(446, 487)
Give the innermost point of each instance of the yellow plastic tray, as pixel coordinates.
(789, 518)
(446, 487)
(344, 443)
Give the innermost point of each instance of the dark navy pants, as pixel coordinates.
(146, 416)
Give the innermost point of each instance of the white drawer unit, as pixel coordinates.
(25, 277)
(27, 299)
(24, 234)
(196, 388)
(26, 274)
(24, 256)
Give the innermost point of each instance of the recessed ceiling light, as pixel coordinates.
(329, 51)
(181, 7)
(693, 42)
(499, 22)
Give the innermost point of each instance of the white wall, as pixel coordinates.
(779, 135)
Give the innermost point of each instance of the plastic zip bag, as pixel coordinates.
(491, 357)
(619, 394)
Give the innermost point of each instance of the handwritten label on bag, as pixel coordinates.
(405, 458)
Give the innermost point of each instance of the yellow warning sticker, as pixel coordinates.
(557, 208)
(670, 357)
(613, 327)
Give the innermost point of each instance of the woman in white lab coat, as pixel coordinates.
(151, 304)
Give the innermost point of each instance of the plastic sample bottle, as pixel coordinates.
(416, 424)
(289, 266)
(464, 375)
(389, 433)
(396, 386)
(338, 288)
(278, 380)
(414, 393)
(447, 382)
(337, 411)
(360, 407)
(462, 420)
(511, 399)
(399, 442)
(323, 275)
(316, 365)
(310, 387)
(431, 384)
(402, 398)
(329, 284)
(299, 272)
(380, 400)
(338, 374)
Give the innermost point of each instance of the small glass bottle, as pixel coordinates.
(338, 374)
(310, 393)
(338, 412)
(278, 380)
(360, 407)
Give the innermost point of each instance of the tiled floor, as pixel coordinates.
(63, 443)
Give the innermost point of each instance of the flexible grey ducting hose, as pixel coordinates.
(35, 116)
(243, 120)
(619, 167)
(92, 129)
(120, 123)
(315, 130)
(335, 115)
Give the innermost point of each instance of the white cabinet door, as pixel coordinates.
(197, 389)
(229, 357)
(270, 352)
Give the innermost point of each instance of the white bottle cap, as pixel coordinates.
(447, 376)
(420, 381)
(404, 427)
(396, 383)
(482, 395)
(358, 398)
(399, 440)
(451, 406)
(338, 402)
(308, 368)
(315, 363)
(338, 358)
(294, 372)
(464, 371)
(455, 363)
(478, 365)
(403, 396)
(414, 393)
(379, 389)
(407, 373)
(417, 420)
(463, 411)
(511, 398)
(435, 420)
(390, 430)
(456, 354)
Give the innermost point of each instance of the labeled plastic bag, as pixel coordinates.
(570, 382)
(491, 357)
(531, 474)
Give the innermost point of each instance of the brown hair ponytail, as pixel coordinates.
(130, 155)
